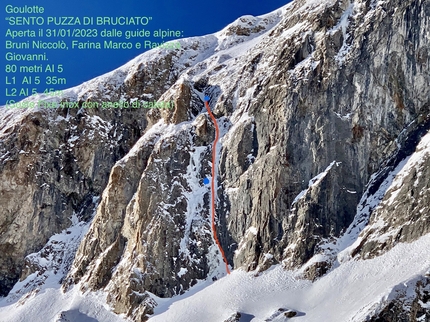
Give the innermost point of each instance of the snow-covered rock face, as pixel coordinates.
(323, 108)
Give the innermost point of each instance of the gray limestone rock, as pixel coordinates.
(53, 162)
(408, 302)
(299, 150)
(235, 317)
(327, 111)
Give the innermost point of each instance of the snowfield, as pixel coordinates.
(346, 294)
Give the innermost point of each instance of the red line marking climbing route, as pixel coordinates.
(213, 183)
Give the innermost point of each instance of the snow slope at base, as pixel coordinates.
(51, 302)
(336, 297)
(347, 291)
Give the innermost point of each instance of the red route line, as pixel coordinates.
(213, 185)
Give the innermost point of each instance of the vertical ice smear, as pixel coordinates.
(343, 26)
(194, 197)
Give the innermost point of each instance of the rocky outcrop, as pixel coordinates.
(155, 215)
(53, 162)
(234, 317)
(52, 165)
(402, 214)
(307, 126)
(407, 302)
